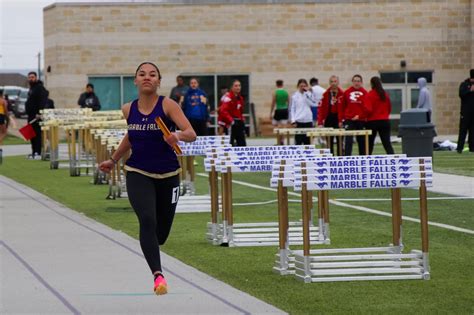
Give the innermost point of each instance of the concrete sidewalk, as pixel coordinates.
(455, 185)
(55, 260)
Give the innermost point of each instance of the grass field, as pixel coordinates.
(10, 140)
(250, 269)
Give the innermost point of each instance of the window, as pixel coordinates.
(412, 77)
(406, 77)
(113, 91)
(392, 77)
(396, 98)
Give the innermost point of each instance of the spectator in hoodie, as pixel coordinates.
(231, 114)
(280, 99)
(34, 103)
(352, 114)
(331, 103)
(88, 99)
(424, 98)
(466, 122)
(301, 114)
(195, 108)
(378, 108)
(179, 91)
(316, 93)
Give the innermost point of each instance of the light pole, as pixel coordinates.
(39, 65)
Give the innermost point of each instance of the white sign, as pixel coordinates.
(363, 184)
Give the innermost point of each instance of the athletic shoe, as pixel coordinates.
(161, 287)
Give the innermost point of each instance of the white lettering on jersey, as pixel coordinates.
(354, 96)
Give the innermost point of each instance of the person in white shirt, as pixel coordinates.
(300, 110)
(316, 96)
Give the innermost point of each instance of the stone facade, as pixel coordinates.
(267, 41)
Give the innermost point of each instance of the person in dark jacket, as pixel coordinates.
(88, 99)
(49, 102)
(179, 91)
(466, 122)
(34, 103)
(195, 108)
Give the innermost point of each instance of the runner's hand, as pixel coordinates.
(106, 166)
(172, 139)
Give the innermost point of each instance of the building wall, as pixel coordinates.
(269, 41)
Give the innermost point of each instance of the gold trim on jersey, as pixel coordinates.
(152, 175)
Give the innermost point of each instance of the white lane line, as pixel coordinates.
(388, 199)
(359, 208)
(261, 202)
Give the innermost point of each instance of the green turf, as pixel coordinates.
(449, 162)
(249, 269)
(9, 140)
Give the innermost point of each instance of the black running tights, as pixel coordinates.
(154, 202)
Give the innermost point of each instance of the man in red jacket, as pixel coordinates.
(231, 113)
(352, 115)
(328, 110)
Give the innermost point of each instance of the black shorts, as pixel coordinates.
(280, 114)
(2, 119)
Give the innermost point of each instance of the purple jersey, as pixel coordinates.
(150, 152)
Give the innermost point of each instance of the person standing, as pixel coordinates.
(222, 129)
(466, 121)
(378, 107)
(195, 108)
(231, 114)
(301, 114)
(331, 103)
(3, 122)
(49, 102)
(424, 98)
(34, 103)
(88, 99)
(352, 115)
(152, 170)
(279, 107)
(179, 91)
(316, 92)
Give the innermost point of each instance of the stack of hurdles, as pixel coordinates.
(305, 169)
(76, 125)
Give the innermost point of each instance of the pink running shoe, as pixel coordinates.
(161, 287)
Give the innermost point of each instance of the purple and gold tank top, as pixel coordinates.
(151, 155)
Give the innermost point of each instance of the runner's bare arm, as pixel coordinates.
(175, 113)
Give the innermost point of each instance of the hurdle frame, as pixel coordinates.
(372, 263)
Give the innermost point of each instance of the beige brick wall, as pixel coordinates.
(271, 41)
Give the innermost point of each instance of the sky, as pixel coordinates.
(21, 33)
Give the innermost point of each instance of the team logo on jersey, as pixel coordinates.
(355, 95)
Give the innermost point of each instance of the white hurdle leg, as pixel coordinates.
(424, 229)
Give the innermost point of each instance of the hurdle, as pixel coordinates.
(249, 159)
(371, 263)
(74, 122)
(340, 133)
(52, 120)
(190, 151)
(286, 133)
(283, 175)
(188, 199)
